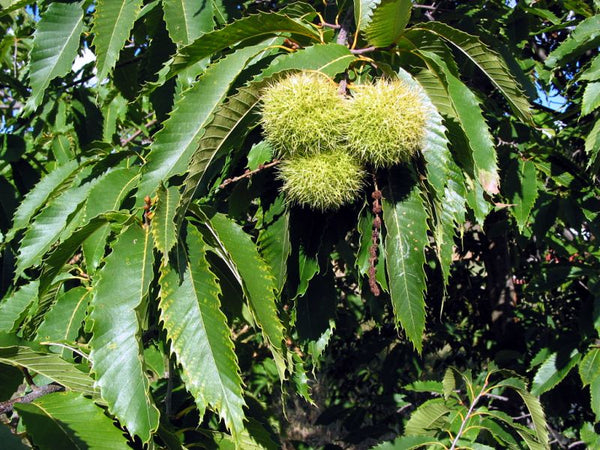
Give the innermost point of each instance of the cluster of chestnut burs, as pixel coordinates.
(326, 139)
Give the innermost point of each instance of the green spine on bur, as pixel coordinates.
(385, 123)
(302, 114)
(323, 181)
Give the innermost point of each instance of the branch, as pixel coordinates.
(360, 51)
(125, 141)
(249, 173)
(8, 406)
(468, 416)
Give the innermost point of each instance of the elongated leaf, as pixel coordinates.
(71, 419)
(233, 120)
(425, 416)
(113, 21)
(592, 144)
(14, 308)
(274, 240)
(488, 61)
(187, 20)
(49, 225)
(388, 22)
(200, 336)
(55, 47)
(163, 222)
(49, 365)
(553, 370)
(584, 37)
(329, 59)
(592, 73)
(35, 199)
(591, 98)
(472, 122)
(405, 221)
(252, 27)
(107, 195)
(258, 283)
(449, 383)
(407, 443)
(175, 144)
(589, 367)
(10, 6)
(521, 190)
(116, 349)
(363, 12)
(595, 397)
(63, 321)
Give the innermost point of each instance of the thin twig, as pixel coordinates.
(361, 51)
(8, 406)
(249, 173)
(330, 25)
(468, 416)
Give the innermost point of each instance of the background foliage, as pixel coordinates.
(159, 292)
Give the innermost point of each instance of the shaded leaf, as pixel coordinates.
(257, 281)
(521, 190)
(55, 47)
(49, 365)
(405, 221)
(71, 419)
(116, 347)
(589, 367)
(591, 98)
(592, 73)
(407, 443)
(425, 416)
(200, 336)
(113, 21)
(488, 61)
(584, 37)
(592, 144)
(553, 370)
(274, 240)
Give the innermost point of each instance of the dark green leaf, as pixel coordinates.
(553, 370)
(163, 222)
(388, 22)
(589, 367)
(584, 37)
(14, 308)
(274, 240)
(187, 20)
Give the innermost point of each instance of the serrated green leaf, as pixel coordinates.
(187, 20)
(163, 223)
(14, 308)
(274, 240)
(426, 416)
(449, 383)
(363, 12)
(200, 336)
(48, 225)
(426, 386)
(405, 220)
(260, 153)
(388, 22)
(63, 321)
(537, 416)
(592, 73)
(116, 347)
(595, 397)
(591, 98)
(583, 37)
(329, 59)
(488, 61)
(589, 367)
(251, 27)
(177, 141)
(553, 370)
(9, 6)
(35, 199)
(521, 190)
(258, 283)
(71, 420)
(107, 195)
(406, 443)
(113, 21)
(472, 122)
(592, 144)
(55, 46)
(49, 365)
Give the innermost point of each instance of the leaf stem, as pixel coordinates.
(469, 414)
(37, 392)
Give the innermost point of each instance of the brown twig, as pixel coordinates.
(374, 249)
(248, 173)
(360, 51)
(330, 25)
(8, 405)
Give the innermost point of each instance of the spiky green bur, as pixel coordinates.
(302, 114)
(385, 123)
(323, 181)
